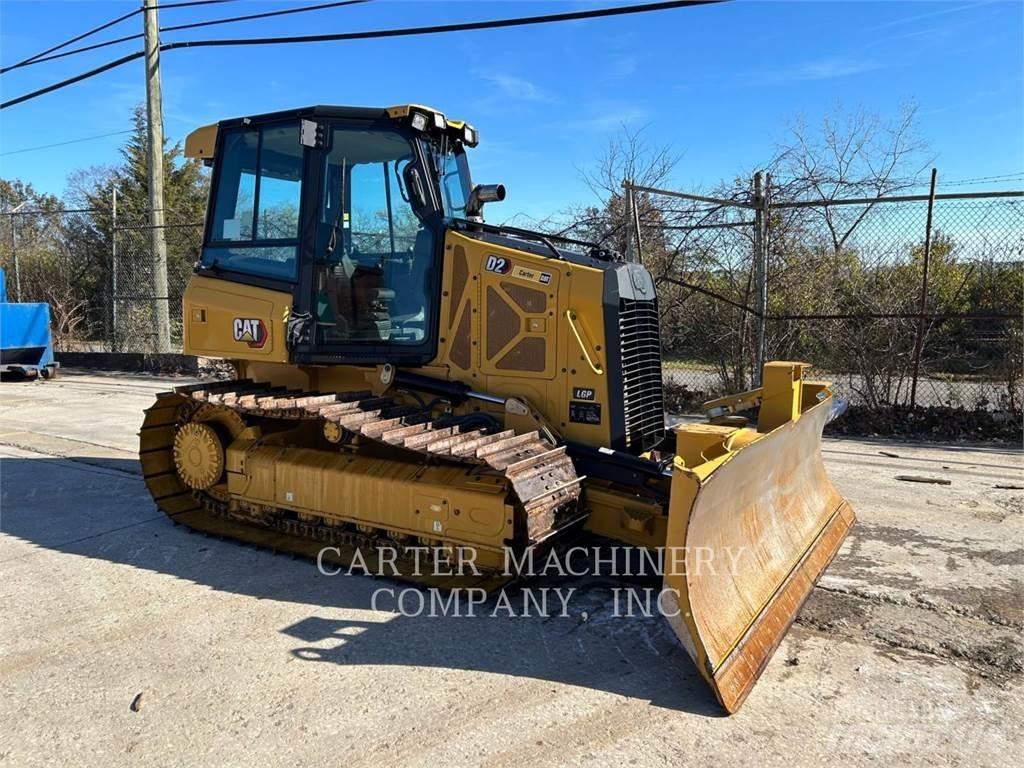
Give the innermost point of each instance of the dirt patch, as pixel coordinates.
(998, 658)
(1014, 504)
(832, 611)
(1004, 653)
(998, 605)
(965, 548)
(859, 566)
(916, 630)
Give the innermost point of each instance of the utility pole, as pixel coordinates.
(155, 124)
(113, 271)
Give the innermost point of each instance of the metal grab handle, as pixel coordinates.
(571, 317)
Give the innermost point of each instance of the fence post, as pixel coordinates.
(14, 249)
(634, 244)
(923, 303)
(113, 271)
(14, 257)
(636, 225)
(627, 201)
(760, 268)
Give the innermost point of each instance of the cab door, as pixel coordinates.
(374, 276)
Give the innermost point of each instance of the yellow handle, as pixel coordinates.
(571, 317)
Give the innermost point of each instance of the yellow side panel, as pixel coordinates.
(504, 330)
(518, 322)
(227, 319)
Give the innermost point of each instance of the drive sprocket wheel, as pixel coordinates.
(198, 455)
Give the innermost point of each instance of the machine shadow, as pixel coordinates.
(112, 518)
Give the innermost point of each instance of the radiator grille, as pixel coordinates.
(640, 348)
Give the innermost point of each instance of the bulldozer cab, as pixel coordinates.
(344, 209)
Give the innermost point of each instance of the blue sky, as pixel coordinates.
(718, 83)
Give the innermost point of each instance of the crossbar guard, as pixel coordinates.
(753, 523)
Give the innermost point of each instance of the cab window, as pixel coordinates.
(375, 255)
(255, 225)
(455, 183)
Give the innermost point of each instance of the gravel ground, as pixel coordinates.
(128, 641)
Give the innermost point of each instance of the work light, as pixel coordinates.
(419, 121)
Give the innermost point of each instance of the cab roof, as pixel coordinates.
(201, 142)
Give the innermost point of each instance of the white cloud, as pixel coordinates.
(610, 117)
(623, 66)
(827, 68)
(929, 15)
(836, 66)
(512, 87)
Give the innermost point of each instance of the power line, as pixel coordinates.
(264, 15)
(64, 143)
(75, 39)
(73, 51)
(445, 28)
(374, 34)
(72, 80)
(165, 6)
(40, 59)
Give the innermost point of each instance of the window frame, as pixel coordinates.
(458, 152)
(370, 352)
(209, 241)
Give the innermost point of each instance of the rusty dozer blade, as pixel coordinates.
(753, 523)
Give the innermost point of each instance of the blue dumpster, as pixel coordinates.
(25, 343)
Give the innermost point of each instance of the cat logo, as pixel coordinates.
(250, 330)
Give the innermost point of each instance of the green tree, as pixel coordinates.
(66, 259)
(186, 187)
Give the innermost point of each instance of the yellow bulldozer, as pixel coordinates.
(408, 374)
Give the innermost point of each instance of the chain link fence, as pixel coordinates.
(135, 301)
(901, 301)
(95, 269)
(53, 256)
(906, 314)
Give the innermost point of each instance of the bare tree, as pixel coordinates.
(853, 154)
(627, 157)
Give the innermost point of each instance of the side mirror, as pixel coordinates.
(483, 193)
(414, 184)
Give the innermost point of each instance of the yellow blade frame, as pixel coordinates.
(753, 523)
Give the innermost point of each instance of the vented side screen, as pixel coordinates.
(642, 400)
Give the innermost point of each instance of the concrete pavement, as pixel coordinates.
(908, 651)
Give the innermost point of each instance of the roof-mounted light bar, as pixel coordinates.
(428, 120)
